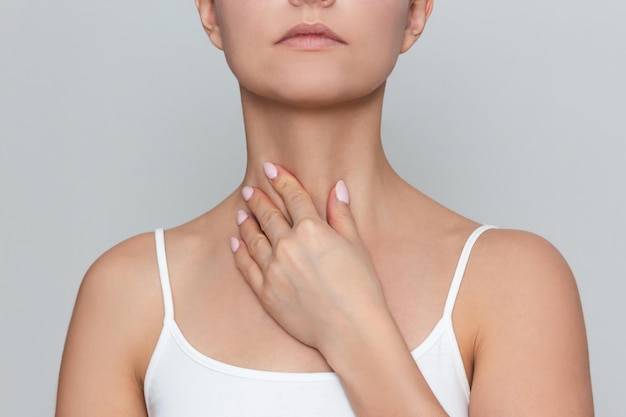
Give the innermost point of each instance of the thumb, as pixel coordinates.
(338, 212)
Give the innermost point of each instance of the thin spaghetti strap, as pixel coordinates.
(168, 303)
(460, 269)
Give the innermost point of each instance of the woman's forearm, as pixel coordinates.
(378, 372)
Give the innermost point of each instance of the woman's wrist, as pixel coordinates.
(357, 335)
(377, 370)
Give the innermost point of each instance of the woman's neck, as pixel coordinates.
(320, 147)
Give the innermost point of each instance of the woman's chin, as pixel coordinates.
(313, 82)
(316, 94)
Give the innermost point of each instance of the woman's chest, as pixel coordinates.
(220, 317)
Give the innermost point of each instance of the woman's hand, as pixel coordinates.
(315, 278)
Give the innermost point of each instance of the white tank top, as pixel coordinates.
(182, 382)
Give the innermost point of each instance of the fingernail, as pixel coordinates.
(234, 244)
(341, 191)
(270, 170)
(241, 216)
(247, 192)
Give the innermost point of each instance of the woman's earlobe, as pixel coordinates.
(411, 35)
(215, 36)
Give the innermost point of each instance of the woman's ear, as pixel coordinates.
(419, 11)
(208, 16)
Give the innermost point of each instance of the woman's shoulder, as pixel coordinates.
(518, 267)
(518, 255)
(127, 266)
(519, 280)
(129, 270)
(125, 280)
(121, 291)
(134, 260)
(529, 328)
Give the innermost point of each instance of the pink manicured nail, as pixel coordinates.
(341, 191)
(241, 216)
(270, 170)
(234, 244)
(247, 192)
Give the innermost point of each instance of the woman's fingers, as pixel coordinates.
(266, 225)
(270, 219)
(256, 242)
(297, 201)
(248, 267)
(338, 212)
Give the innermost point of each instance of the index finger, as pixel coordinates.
(297, 201)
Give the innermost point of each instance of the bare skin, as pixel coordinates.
(518, 317)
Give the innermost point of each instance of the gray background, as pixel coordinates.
(117, 117)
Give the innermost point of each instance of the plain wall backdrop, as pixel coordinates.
(117, 117)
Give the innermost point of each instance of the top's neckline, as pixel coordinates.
(278, 376)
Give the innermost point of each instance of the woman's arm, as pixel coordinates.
(530, 354)
(100, 371)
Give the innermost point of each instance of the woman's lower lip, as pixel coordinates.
(310, 42)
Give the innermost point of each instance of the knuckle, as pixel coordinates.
(289, 187)
(281, 248)
(256, 242)
(290, 255)
(270, 217)
(307, 227)
(297, 197)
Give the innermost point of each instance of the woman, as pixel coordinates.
(325, 285)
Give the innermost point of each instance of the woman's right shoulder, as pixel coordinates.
(123, 285)
(128, 270)
(116, 322)
(130, 256)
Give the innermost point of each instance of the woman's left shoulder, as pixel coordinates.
(530, 340)
(517, 278)
(510, 270)
(518, 259)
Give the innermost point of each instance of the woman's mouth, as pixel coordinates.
(310, 37)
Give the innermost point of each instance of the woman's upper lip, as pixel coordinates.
(304, 29)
